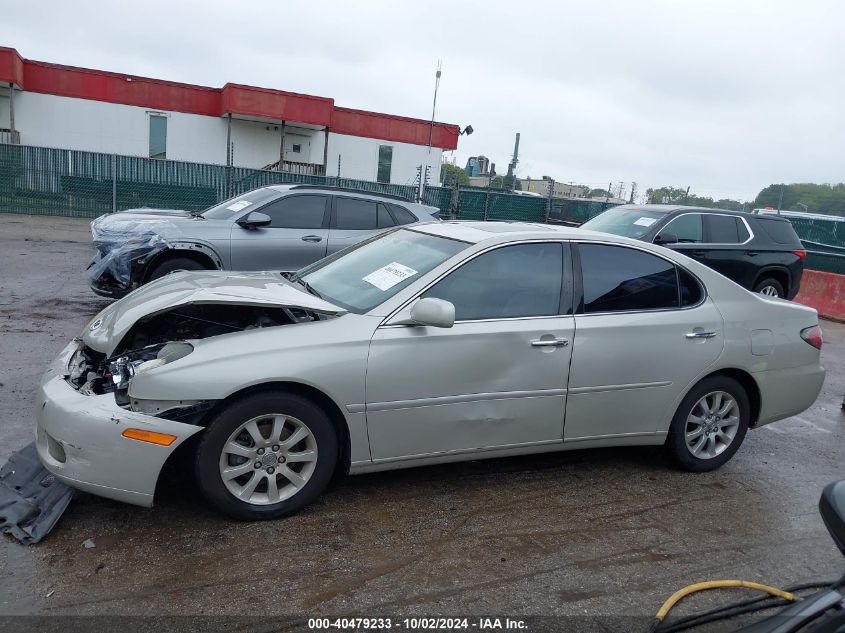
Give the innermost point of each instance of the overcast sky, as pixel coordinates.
(724, 96)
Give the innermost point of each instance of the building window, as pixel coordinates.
(158, 136)
(297, 148)
(385, 160)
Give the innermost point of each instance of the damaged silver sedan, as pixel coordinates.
(431, 343)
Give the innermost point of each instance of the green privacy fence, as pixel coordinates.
(824, 239)
(476, 203)
(49, 181)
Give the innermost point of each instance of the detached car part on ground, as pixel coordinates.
(283, 227)
(762, 253)
(434, 343)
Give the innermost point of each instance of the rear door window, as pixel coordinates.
(384, 218)
(622, 279)
(744, 235)
(723, 229)
(402, 215)
(356, 215)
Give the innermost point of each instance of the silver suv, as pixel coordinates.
(281, 227)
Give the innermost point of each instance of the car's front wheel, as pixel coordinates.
(266, 456)
(709, 425)
(172, 265)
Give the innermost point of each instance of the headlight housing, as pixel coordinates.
(124, 367)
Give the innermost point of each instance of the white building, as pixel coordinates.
(50, 105)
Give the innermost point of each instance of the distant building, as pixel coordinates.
(479, 166)
(54, 105)
(560, 190)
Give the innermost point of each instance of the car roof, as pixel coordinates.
(329, 188)
(678, 208)
(476, 231)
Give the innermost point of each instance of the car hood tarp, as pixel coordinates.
(269, 289)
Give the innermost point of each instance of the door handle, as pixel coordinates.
(753, 253)
(555, 342)
(312, 238)
(695, 335)
(699, 253)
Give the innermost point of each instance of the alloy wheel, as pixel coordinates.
(712, 425)
(769, 291)
(268, 459)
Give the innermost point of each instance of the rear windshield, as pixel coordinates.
(625, 222)
(234, 206)
(780, 231)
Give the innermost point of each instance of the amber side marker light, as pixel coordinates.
(162, 439)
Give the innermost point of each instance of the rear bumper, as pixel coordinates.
(788, 392)
(78, 438)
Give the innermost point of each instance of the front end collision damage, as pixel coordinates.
(127, 246)
(85, 404)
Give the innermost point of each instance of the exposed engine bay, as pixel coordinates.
(164, 337)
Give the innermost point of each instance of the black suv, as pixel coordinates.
(759, 252)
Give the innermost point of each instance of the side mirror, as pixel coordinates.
(428, 311)
(666, 238)
(254, 220)
(832, 509)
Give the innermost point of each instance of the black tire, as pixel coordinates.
(676, 443)
(171, 265)
(772, 284)
(226, 422)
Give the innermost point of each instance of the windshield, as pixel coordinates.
(369, 273)
(625, 222)
(233, 206)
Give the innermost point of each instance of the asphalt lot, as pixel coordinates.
(586, 532)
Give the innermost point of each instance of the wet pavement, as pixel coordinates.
(576, 533)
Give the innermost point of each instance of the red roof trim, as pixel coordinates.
(235, 99)
(11, 67)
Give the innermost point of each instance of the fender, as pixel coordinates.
(777, 268)
(194, 246)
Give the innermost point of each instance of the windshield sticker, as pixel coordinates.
(388, 276)
(239, 206)
(645, 221)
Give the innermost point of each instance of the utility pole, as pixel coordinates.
(434, 105)
(686, 195)
(780, 199)
(633, 192)
(607, 197)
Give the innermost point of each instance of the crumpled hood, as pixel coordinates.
(132, 223)
(269, 289)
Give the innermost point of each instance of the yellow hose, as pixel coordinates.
(679, 595)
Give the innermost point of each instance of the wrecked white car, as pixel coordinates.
(431, 343)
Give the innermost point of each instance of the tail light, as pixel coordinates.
(801, 254)
(813, 335)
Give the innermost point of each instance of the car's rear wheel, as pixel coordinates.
(709, 425)
(171, 265)
(266, 456)
(770, 287)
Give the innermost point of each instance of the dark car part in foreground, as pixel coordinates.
(821, 612)
(31, 498)
(280, 227)
(759, 252)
